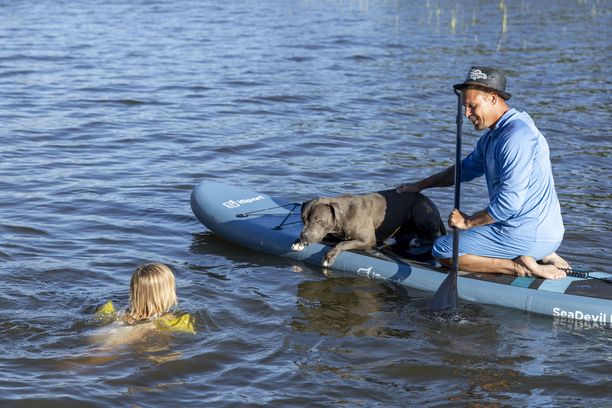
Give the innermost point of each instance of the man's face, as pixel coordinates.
(478, 108)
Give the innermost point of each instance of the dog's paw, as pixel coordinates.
(414, 242)
(298, 246)
(327, 263)
(329, 259)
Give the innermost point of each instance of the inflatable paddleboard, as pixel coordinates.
(270, 224)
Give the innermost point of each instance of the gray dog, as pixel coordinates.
(363, 220)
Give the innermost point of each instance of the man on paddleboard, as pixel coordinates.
(521, 228)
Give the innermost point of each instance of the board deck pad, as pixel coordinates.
(597, 288)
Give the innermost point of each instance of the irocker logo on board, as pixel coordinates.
(242, 201)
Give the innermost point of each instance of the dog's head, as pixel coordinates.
(320, 217)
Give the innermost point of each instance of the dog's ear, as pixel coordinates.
(306, 205)
(334, 206)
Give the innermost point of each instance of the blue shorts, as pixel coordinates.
(488, 241)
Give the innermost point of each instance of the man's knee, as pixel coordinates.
(443, 247)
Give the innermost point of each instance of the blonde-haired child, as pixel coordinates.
(152, 292)
(152, 297)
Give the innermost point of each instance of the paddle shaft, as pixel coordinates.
(455, 269)
(445, 298)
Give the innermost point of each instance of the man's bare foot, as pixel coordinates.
(527, 265)
(556, 260)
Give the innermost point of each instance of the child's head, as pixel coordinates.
(152, 291)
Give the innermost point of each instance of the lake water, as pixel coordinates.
(112, 111)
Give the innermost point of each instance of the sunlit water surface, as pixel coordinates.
(112, 111)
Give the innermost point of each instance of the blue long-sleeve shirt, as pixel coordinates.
(515, 160)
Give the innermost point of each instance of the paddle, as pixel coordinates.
(445, 299)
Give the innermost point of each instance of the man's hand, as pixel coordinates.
(462, 221)
(445, 178)
(458, 219)
(408, 188)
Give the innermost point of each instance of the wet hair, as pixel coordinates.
(152, 292)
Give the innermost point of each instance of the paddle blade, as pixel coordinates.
(445, 299)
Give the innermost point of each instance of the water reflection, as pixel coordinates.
(338, 307)
(155, 349)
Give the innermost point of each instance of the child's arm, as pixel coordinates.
(114, 336)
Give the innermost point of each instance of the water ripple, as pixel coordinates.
(112, 113)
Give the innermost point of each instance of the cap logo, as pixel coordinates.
(477, 74)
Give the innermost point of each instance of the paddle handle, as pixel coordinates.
(457, 179)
